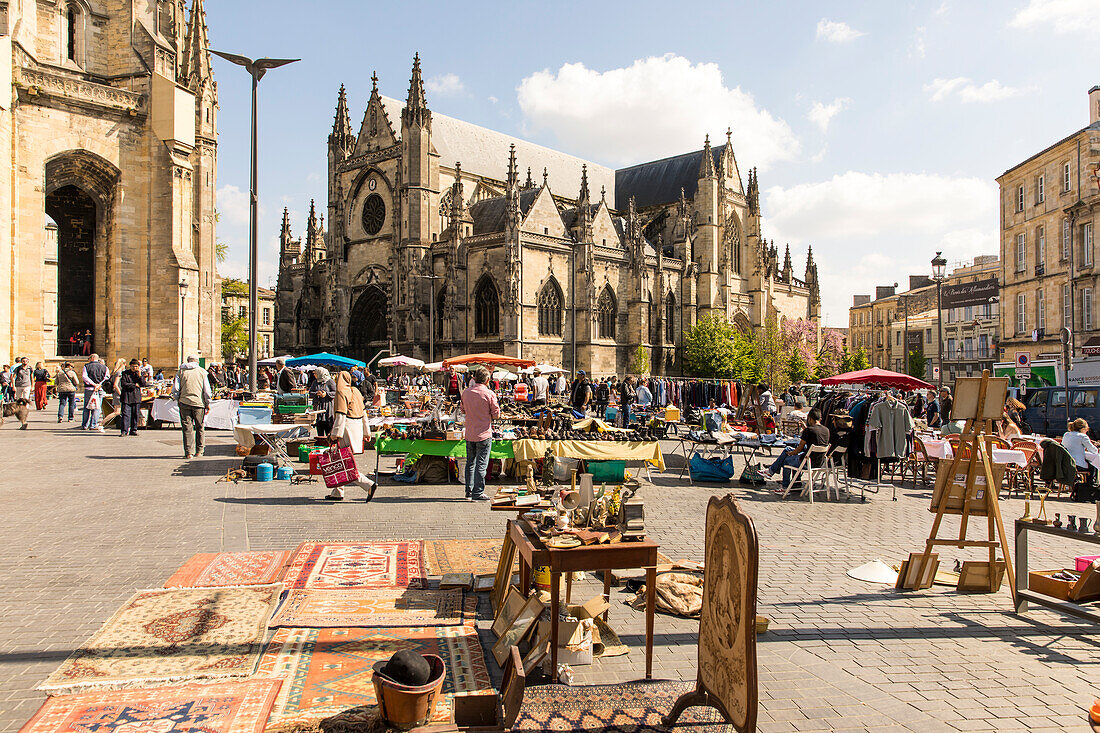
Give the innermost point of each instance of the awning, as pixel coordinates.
(1091, 347)
(324, 359)
(489, 359)
(878, 377)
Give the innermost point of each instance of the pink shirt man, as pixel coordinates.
(480, 405)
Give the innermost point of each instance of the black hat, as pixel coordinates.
(408, 668)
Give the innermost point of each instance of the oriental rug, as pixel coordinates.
(375, 607)
(328, 671)
(229, 569)
(227, 707)
(327, 565)
(634, 707)
(479, 557)
(169, 635)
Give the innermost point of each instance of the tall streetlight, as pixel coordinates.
(939, 265)
(256, 69)
(431, 315)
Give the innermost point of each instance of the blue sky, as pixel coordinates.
(878, 128)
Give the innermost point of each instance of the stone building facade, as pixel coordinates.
(432, 223)
(235, 305)
(1050, 211)
(108, 133)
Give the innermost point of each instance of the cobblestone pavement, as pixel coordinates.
(90, 518)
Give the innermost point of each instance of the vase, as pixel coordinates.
(1083, 524)
(1057, 519)
(1071, 525)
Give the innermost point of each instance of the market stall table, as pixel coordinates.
(649, 452)
(588, 558)
(221, 415)
(273, 436)
(446, 448)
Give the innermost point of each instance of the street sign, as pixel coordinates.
(1023, 373)
(1023, 360)
(935, 372)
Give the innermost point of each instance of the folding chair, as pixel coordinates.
(807, 470)
(917, 460)
(837, 464)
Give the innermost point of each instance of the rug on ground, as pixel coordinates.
(327, 671)
(375, 607)
(327, 565)
(633, 707)
(230, 568)
(170, 635)
(225, 707)
(479, 557)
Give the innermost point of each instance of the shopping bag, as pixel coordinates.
(92, 402)
(710, 469)
(337, 465)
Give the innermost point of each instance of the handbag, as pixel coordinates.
(710, 469)
(337, 465)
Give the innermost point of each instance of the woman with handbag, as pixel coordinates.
(116, 392)
(349, 428)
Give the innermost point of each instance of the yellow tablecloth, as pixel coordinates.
(595, 450)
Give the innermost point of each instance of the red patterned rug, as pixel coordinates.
(321, 565)
(230, 568)
(375, 607)
(328, 671)
(169, 635)
(227, 707)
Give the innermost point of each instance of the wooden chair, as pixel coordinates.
(807, 471)
(1015, 476)
(917, 459)
(792, 427)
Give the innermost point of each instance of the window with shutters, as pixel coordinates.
(1065, 239)
(1067, 308)
(1086, 309)
(1086, 244)
(1040, 310)
(1021, 313)
(1020, 198)
(1040, 189)
(1065, 177)
(1021, 252)
(1040, 246)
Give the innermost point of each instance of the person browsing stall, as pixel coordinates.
(349, 428)
(540, 387)
(287, 380)
(480, 407)
(814, 434)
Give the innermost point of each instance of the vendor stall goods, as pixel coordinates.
(329, 670)
(230, 568)
(363, 565)
(457, 556)
(226, 707)
(634, 706)
(166, 635)
(375, 607)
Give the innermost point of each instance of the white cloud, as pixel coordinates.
(493, 100)
(1065, 16)
(919, 47)
(232, 205)
(822, 114)
(872, 229)
(836, 31)
(967, 91)
(656, 107)
(445, 84)
(942, 9)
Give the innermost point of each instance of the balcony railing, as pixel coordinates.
(1040, 270)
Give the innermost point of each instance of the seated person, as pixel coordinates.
(814, 434)
(1077, 442)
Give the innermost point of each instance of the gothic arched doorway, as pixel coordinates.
(75, 214)
(368, 324)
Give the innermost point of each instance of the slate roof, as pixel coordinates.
(488, 214)
(484, 152)
(660, 181)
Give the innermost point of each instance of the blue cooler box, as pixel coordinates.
(254, 415)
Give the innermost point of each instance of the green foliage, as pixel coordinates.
(639, 363)
(233, 286)
(845, 361)
(709, 348)
(796, 368)
(234, 335)
(770, 353)
(917, 363)
(859, 361)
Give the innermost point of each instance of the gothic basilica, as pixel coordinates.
(432, 223)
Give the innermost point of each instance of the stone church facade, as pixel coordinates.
(108, 133)
(433, 224)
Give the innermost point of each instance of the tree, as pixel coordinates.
(846, 361)
(221, 249)
(917, 363)
(233, 286)
(859, 361)
(639, 363)
(709, 348)
(234, 335)
(796, 368)
(830, 356)
(770, 352)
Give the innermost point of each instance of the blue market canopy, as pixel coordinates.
(324, 359)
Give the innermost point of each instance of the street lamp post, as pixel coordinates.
(939, 264)
(256, 69)
(431, 315)
(183, 294)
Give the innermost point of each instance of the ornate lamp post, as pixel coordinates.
(939, 265)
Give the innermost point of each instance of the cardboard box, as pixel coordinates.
(574, 640)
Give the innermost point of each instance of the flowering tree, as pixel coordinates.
(830, 355)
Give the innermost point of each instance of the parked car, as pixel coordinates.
(1046, 408)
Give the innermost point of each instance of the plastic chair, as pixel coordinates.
(808, 471)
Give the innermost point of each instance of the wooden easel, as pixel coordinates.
(979, 400)
(750, 403)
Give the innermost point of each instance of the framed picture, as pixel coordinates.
(527, 617)
(538, 651)
(513, 602)
(504, 572)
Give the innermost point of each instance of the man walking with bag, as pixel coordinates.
(192, 393)
(94, 375)
(481, 408)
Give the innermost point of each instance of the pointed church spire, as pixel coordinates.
(284, 232)
(752, 195)
(416, 110)
(530, 181)
(706, 165)
(603, 195)
(312, 221)
(342, 139)
(195, 62)
(545, 177)
(810, 267)
(787, 269)
(511, 181)
(582, 198)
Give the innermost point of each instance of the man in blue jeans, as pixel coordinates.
(481, 408)
(814, 434)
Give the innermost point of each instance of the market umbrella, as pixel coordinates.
(502, 375)
(881, 377)
(400, 361)
(324, 359)
(272, 360)
(544, 368)
(487, 358)
(437, 366)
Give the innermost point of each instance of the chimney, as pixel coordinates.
(883, 291)
(1094, 105)
(919, 281)
(860, 300)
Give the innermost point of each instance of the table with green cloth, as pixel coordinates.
(445, 448)
(648, 451)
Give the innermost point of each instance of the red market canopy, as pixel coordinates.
(486, 358)
(881, 377)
